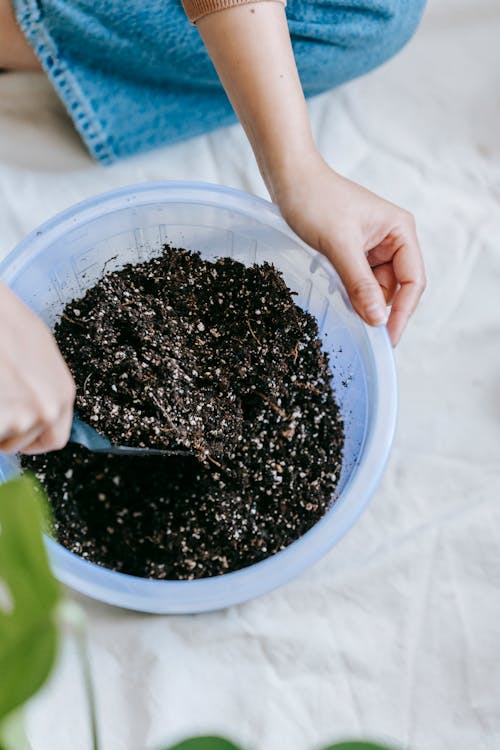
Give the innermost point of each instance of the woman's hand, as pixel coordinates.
(371, 243)
(36, 387)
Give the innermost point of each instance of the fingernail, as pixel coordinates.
(377, 314)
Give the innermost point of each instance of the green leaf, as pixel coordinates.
(13, 733)
(357, 746)
(29, 594)
(205, 743)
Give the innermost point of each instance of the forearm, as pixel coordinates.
(251, 49)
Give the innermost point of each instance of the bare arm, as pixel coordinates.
(251, 50)
(371, 242)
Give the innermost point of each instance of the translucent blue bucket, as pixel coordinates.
(65, 256)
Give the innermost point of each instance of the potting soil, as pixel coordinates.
(215, 357)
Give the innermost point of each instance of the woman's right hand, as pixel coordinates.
(36, 388)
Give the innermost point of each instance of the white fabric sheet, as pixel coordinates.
(395, 634)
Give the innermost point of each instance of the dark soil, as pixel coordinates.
(212, 356)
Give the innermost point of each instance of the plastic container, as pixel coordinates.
(65, 256)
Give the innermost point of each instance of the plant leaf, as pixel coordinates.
(29, 594)
(205, 743)
(357, 746)
(13, 733)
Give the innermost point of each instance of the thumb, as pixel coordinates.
(363, 289)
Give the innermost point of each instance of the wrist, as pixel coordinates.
(291, 175)
(284, 167)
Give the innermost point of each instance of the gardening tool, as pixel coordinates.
(83, 434)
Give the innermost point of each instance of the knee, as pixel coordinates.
(393, 23)
(377, 27)
(337, 40)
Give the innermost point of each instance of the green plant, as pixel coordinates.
(32, 610)
(29, 596)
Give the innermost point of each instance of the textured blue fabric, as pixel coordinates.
(135, 75)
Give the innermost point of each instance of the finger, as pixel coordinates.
(387, 280)
(51, 385)
(382, 253)
(403, 306)
(361, 285)
(410, 273)
(15, 441)
(18, 422)
(53, 438)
